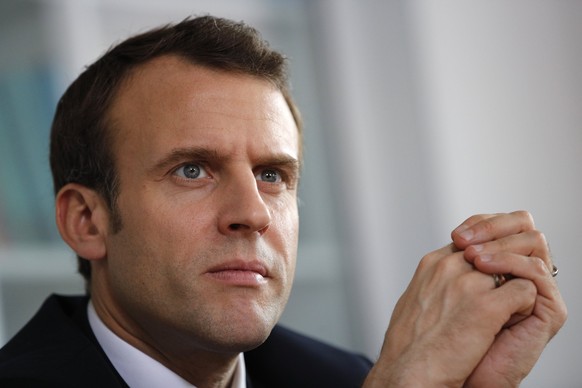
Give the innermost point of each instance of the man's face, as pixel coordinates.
(208, 168)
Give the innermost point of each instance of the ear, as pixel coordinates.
(82, 219)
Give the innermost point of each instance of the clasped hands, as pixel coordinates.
(455, 327)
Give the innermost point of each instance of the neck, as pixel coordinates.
(200, 367)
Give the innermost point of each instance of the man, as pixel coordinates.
(176, 161)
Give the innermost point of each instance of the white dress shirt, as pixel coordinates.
(140, 370)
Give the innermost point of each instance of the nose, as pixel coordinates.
(243, 210)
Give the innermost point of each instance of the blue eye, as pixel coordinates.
(269, 175)
(191, 171)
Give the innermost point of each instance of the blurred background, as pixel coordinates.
(418, 114)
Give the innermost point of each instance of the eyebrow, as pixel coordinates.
(178, 155)
(280, 161)
(212, 156)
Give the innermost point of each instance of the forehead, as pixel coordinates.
(170, 102)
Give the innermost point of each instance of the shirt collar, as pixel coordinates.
(137, 368)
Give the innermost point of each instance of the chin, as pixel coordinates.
(238, 326)
(240, 336)
(234, 343)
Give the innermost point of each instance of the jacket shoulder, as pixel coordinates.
(56, 348)
(290, 359)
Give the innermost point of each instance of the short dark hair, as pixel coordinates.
(81, 135)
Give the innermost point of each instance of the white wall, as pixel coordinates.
(503, 97)
(449, 108)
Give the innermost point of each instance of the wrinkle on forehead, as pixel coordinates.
(169, 103)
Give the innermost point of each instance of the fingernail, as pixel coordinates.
(467, 235)
(478, 248)
(485, 258)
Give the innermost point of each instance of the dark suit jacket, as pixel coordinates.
(58, 349)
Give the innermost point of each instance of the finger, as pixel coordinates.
(432, 258)
(550, 307)
(483, 228)
(518, 266)
(530, 243)
(508, 304)
(518, 298)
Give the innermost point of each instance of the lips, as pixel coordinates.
(240, 273)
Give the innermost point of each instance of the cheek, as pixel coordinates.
(155, 235)
(166, 219)
(285, 216)
(286, 223)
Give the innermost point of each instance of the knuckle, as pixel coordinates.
(427, 261)
(540, 266)
(559, 316)
(538, 237)
(531, 290)
(431, 258)
(476, 217)
(539, 240)
(487, 226)
(562, 313)
(527, 218)
(446, 267)
(526, 288)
